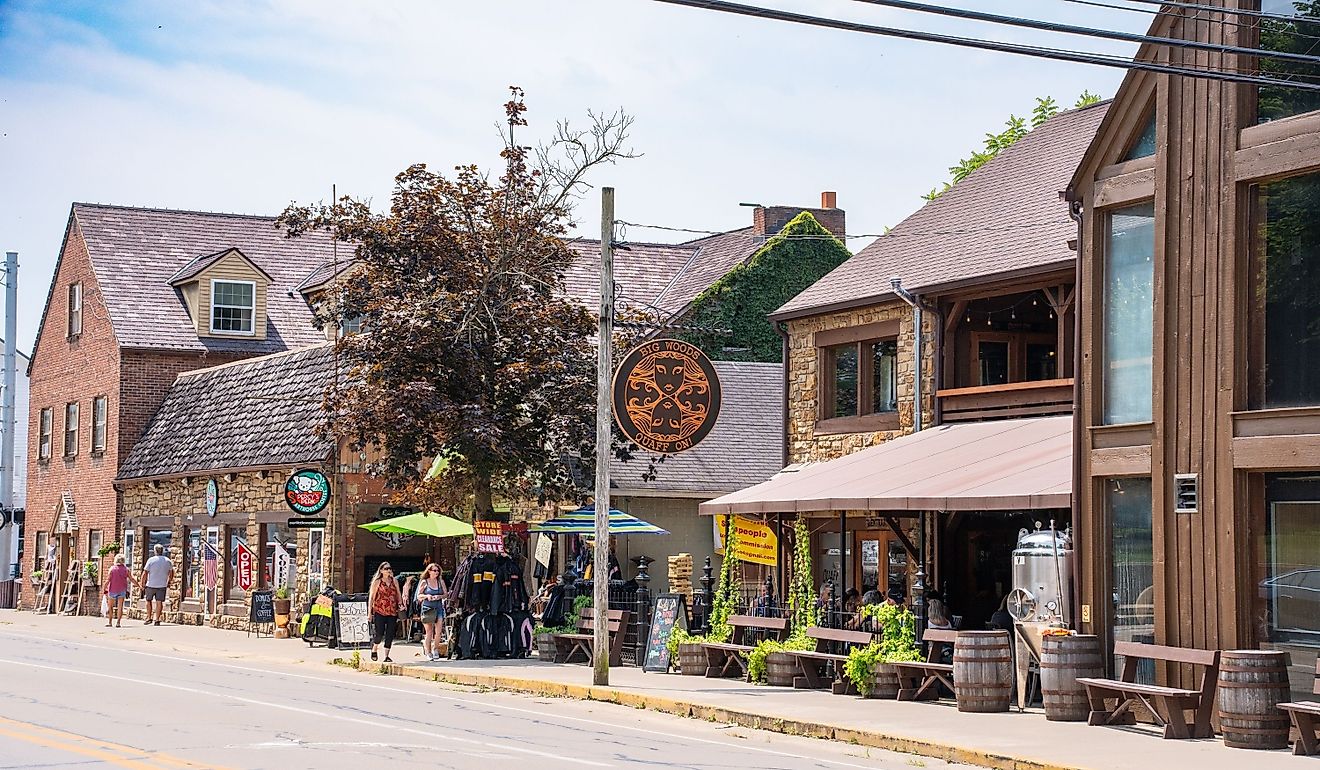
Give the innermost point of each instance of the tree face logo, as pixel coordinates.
(666, 396)
(307, 492)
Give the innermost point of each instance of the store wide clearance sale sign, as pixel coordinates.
(756, 541)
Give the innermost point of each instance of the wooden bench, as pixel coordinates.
(811, 663)
(1304, 719)
(1167, 704)
(921, 680)
(724, 657)
(567, 645)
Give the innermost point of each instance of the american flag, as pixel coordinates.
(210, 564)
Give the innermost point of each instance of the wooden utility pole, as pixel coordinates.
(600, 573)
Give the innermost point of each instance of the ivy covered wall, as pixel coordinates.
(788, 263)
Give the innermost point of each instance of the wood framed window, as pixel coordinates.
(71, 429)
(99, 408)
(44, 430)
(233, 307)
(39, 552)
(95, 539)
(74, 326)
(1000, 358)
(858, 378)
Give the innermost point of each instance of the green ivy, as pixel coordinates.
(680, 636)
(756, 659)
(740, 300)
(801, 598)
(860, 667)
(570, 619)
(726, 592)
(898, 643)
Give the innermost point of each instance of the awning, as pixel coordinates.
(975, 466)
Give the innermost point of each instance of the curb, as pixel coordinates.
(666, 705)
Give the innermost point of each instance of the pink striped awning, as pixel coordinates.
(974, 466)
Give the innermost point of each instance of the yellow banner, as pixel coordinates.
(756, 541)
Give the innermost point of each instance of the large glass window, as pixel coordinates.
(1287, 296)
(1144, 147)
(861, 378)
(1129, 296)
(1295, 35)
(844, 377)
(280, 541)
(192, 565)
(1133, 542)
(237, 537)
(1288, 592)
(233, 306)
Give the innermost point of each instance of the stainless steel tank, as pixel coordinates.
(1042, 577)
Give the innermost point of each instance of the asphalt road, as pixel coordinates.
(76, 703)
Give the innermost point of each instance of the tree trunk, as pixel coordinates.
(482, 501)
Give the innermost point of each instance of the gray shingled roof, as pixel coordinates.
(257, 412)
(1005, 218)
(136, 251)
(744, 448)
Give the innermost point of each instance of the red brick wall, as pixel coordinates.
(770, 220)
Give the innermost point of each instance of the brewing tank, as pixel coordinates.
(1042, 577)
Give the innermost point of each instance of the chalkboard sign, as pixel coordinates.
(263, 607)
(670, 611)
(352, 621)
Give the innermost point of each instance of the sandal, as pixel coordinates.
(373, 654)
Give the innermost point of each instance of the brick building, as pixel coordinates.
(138, 296)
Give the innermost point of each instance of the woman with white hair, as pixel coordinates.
(116, 591)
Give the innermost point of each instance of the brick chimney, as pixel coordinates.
(769, 220)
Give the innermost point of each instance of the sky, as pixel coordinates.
(244, 106)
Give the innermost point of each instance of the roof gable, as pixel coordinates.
(195, 268)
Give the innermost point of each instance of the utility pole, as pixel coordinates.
(600, 572)
(8, 423)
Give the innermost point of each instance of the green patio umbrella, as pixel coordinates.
(422, 523)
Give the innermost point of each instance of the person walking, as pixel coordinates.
(156, 575)
(431, 590)
(116, 591)
(385, 602)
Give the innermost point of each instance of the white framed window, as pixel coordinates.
(71, 429)
(46, 427)
(75, 309)
(130, 539)
(95, 539)
(233, 307)
(98, 423)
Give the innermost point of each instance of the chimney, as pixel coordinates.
(769, 220)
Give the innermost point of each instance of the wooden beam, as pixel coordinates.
(1287, 157)
(902, 537)
(955, 315)
(1120, 461)
(1276, 452)
(1125, 188)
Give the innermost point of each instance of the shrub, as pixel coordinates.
(756, 659)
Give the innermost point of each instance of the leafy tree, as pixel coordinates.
(1296, 35)
(1014, 129)
(782, 268)
(472, 350)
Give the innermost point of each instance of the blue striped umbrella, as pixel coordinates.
(583, 522)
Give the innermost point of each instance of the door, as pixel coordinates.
(881, 563)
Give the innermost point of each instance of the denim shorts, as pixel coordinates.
(117, 595)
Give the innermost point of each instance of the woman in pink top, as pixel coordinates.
(116, 590)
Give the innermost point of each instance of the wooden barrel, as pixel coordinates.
(1062, 660)
(1251, 683)
(982, 671)
(886, 682)
(545, 647)
(780, 669)
(691, 660)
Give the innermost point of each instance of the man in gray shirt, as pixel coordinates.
(156, 574)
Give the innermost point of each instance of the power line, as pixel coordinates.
(792, 237)
(1079, 57)
(1208, 8)
(1199, 16)
(1069, 29)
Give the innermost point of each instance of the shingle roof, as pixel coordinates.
(324, 272)
(1005, 218)
(135, 252)
(744, 448)
(256, 412)
(195, 267)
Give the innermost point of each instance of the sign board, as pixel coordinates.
(666, 396)
(283, 566)
(306, 523)
(490, 536)
(246, 568)
(757, 542)
(262, 609)
(307, 492)
(352, 621)
(544, 547)
(670, 612)
(212, 497)
(393, 540)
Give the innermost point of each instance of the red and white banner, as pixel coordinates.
(247, 572)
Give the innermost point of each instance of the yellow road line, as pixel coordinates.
(114, 753)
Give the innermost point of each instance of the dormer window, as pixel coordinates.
(233, 306)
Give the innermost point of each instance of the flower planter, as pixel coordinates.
(885, 685)
(781, 669)
(691, 660)
(545, 647)
(282, 609)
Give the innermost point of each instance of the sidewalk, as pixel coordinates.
(1012, 741)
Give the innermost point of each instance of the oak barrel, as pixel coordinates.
(1251, 683)
(1062, 660)
(885, 684)
(545, 647)
(691, 659)
(982, 671)
(780, 669)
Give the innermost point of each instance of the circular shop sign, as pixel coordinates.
(666, 396)
(307, 492)
(212, 497)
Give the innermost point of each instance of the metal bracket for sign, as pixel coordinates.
(257, 628)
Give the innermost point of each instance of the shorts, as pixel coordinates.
(433, 616)
(117, 595)
(154, 594)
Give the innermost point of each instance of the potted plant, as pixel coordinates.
(282, 605)
(685, 652)
(91, 572)
(37, 577)
(109, 549)
(870, 669)
(772, 661)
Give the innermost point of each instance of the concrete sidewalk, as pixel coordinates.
(935, 730)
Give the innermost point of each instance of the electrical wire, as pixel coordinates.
(1208, 9)
(1068, 29)
(1200, 16)
(926, 234)
(1079, 57)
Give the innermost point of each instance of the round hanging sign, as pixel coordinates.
(666, 396)
(212, 497)
(307, 492)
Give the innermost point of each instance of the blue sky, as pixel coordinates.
(246, 106)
